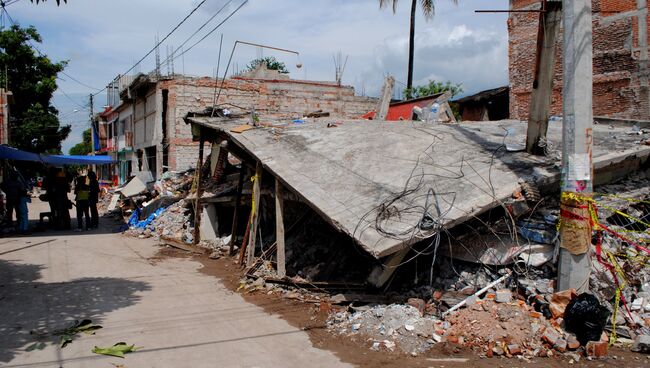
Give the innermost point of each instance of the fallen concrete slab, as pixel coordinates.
(389, 185)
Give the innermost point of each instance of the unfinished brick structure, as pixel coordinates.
(282, 97)
(620, 42)
(151, 110)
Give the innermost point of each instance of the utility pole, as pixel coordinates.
(92, 129)
(577, 131)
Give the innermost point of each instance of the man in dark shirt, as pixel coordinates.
(93, 199)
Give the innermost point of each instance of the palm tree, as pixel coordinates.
(428, 9)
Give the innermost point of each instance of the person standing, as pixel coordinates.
(62, 205)
(11, 188)
(82, 193)
(23, 211)
(93, 198)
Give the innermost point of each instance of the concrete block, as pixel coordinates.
(503, 296)
(641, 344)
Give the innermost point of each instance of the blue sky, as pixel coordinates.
(103, 38)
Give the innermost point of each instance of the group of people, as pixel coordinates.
(86, 190)
(57, 186)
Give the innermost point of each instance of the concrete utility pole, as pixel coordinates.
(92, 127)
(577, 174)
(92, 131)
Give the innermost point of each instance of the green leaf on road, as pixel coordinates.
(117, 350)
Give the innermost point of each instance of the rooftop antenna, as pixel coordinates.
(232, 53)
(172, 60)
(339, 66)
(157, 57)
(167, 60)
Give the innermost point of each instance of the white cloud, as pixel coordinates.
(103, 38)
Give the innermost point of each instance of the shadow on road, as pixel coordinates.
(27, 305)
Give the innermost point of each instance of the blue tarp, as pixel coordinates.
(11, 153)
(134, 220)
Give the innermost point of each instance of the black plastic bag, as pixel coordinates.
(586, 318)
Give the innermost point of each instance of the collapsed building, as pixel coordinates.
(402, 184)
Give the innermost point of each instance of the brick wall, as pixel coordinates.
(281, 98)
(620, 64)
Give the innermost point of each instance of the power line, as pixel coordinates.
(73, 101)
(76, 80)
(211, 31)
(172, 56)
(160, 42)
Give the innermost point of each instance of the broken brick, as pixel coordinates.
(550, 336)
(560, 345)
(559, 301)
(418, 304)
(572, 342)
(535, 314)
(597, 349)
(514, 349)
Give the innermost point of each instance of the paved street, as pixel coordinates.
(180, 317)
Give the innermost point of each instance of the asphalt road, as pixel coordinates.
(178, 316)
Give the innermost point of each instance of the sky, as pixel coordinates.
(103, 38)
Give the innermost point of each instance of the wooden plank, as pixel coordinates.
(241, 128)
(252, 236)
(197, 205)
(386, 96)
(181, 245)
(279, 229)
(235, 215)
(540, 100)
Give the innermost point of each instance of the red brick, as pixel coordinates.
(597, 349)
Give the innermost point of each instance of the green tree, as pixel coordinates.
(271, 64)
(432, 88)
(428, 9)
(31, 76)
(84, 147)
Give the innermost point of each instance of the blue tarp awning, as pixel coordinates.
(11, 153)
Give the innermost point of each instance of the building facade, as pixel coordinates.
(620, 52)
(145, 130)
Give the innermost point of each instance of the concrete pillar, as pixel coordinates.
(577, 174)
(540, 100)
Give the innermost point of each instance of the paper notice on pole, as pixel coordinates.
(579, 167)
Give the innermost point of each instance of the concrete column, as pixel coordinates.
(577, 174)
(540, 100)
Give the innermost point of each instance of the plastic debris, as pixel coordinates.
(585, 317)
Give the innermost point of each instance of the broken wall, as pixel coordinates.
(268, 96)
(620, 43)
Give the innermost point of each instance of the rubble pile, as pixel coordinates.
(390, 327)
(524, 316)
(173, 222)
(161, 210)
